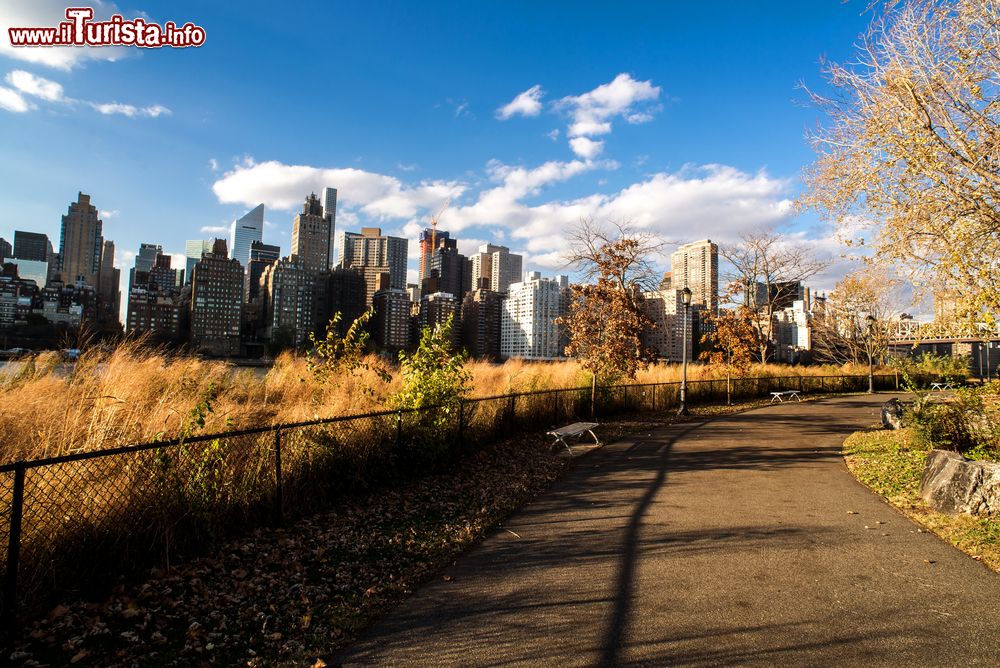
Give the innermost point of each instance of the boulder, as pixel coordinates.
(892, 414)
(953, 484)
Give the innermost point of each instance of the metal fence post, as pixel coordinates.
(461, 424)
(625, 398)
(13, 554)
(510, 414)
(278, 509)
(555, 410)
(399, 430)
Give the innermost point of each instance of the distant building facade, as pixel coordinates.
(528, 320)
(217, 302)
(696, 266)
(311, 236)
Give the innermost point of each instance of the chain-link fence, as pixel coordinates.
(71, 525)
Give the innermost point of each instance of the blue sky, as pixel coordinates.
(683, 119)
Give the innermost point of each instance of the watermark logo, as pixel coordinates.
(81, 30)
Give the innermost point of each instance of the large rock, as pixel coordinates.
(953, 484)
(892, 414)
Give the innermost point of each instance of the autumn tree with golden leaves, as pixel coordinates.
(605, 320)
(912, 146)
(731, 343)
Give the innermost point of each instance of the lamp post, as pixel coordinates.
(686, 300)
(870, 319)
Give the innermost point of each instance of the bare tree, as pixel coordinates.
(913, 145)
(766, 270)
(856, 321)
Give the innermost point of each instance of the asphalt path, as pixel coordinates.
(740, 540)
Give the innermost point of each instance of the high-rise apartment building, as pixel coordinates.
(311, 235)
(244, 231)
(481, 318)
(497, 264)
(32, 246)
(153, 305)
(80, 243)
(528, 328)
(261, 256)
(373, 254)
(287, 288)
(108, 287)
(217, 302)
(665, 308)
(391, 321)
(6, 250)
(193, 250)
(329, 199)
(429, 240)
(450, 272)
(696, 266)
(437, 309)
(344, 291)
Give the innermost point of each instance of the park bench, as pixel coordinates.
(572, 431)
(785, 394)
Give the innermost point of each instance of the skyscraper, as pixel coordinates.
(528, 321)
(244, 231)
(311, 235)
(217, 302)
(193, 250)
(6, 250)
(261, 256)
(108, 288)
(32, 246)
(153, 307)
(329, 196)
(373, 254)
(481, 317)
(665, 308)
(80, 243)
(497, 264)
(429, 239)
(696, 266)
(287, 288)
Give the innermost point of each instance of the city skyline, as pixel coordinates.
(648, 134)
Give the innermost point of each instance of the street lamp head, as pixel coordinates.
(686, 296)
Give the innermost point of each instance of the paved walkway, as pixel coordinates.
(726, 542)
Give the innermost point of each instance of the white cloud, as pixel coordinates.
(528, 103)
(586, 148)
(108, 214)
(592, 112)
(403, 167)
(131, 111)
(284, 187)
(616, 98)
(13, 101)
(213, 164)
(28, 83)
(48, 13)
(553, 135)
(715, 201)
(214, 229)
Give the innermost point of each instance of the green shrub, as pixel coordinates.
(433, 376)
(967, 422)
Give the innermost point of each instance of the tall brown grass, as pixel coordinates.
(133, 394)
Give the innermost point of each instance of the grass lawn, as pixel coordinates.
(891, 463)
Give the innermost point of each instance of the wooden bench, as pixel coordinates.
(572, 431)
(789, 394)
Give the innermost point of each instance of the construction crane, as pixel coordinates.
(434, 224)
